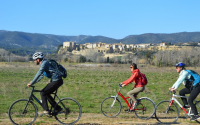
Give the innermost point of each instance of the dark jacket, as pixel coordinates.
(45, 67)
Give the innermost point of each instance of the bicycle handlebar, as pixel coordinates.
(33, 88)
(29, 86)
(171, 91)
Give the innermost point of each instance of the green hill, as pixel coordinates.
(27, 43)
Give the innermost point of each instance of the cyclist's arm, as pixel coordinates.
(131, 79)
(181, 78)
(39, 74)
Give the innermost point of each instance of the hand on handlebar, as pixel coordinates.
(122, 85)
(172, 89)
(28, 85)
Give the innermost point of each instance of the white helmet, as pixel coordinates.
(38, 55)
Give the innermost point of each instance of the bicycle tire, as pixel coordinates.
(71, 111)
(198, 109)
(145, 109)
(170, 116)
(16, 109)
(109, 111)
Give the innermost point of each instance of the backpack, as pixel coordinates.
(59, 68)
(143, 78)
(193, 81)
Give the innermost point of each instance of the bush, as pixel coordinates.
(82, 59)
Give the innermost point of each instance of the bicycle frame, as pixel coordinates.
(125, 99)
(32, 96)
(178, 96)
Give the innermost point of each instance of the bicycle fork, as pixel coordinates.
(30, 98)
(170, 104)
(115, 98)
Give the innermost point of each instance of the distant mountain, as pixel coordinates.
(48, 42)
(158, 38)
(96, 39)
(22, 39)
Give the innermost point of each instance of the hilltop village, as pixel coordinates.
(118, 47)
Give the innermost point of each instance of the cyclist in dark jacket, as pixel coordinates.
(56, 81)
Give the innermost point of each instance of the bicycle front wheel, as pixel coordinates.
(145, 109)
(21, 113)
(70, 113)
(111, 107)
(165, 113)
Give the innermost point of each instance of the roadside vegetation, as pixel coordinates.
(146, 56)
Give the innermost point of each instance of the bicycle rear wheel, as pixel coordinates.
(20, 115)
(70, 113)
(111, 107)
(145, 109)
(198, 109)
(165, 113)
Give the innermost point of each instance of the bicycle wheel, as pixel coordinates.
(198, 109)
(111, 107)
(20, 115)
(70, 113)
(165, 113)
(145, 109)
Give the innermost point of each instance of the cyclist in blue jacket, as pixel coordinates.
(183, 77)
(56, 81)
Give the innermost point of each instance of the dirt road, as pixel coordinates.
(99, 119)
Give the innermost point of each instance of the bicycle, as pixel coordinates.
(111, 106)
(25, 111)
(168, 112)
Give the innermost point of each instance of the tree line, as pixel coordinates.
(159, 58)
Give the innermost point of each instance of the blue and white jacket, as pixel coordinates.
(46, 69)
(183, 75)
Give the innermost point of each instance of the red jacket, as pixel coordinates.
(136, 77)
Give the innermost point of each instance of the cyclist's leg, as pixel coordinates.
(194, 93)
(46, 93)
(182, 93)
(134, 92)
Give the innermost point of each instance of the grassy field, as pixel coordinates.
(88, 85)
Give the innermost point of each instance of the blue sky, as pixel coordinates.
(111, 18)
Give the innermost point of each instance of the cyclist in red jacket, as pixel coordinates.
(138, 87)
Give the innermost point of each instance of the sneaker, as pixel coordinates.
(194, 118)
(186, 107)
(44, 113)
(135, 104)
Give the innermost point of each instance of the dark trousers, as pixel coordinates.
(193, 94)
(46, 93)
